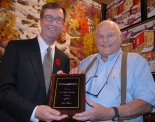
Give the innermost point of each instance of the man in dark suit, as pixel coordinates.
(23, 94)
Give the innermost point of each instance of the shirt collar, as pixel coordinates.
(43, 45)
(110, 57)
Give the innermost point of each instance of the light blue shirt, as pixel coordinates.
(140, 83)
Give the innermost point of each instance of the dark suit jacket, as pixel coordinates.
(22, 84)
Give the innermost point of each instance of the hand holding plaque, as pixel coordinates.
(67, 93)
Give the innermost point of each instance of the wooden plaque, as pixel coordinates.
(67, 93)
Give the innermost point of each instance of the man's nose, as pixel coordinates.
(105, 39)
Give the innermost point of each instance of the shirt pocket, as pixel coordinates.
(129, 94)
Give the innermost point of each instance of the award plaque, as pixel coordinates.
(67, 93)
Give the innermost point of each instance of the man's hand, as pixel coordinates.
(46, 113)
(76, 71)
(97, 112)
(73, 71)
(60, 72)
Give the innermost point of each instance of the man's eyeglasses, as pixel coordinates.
(95, 95)
(50, 18)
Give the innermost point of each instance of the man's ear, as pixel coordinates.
(121, 37)
(40, 22)
(63, 25)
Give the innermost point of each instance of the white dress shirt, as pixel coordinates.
(43, 50)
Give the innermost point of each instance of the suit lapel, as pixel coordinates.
(57, 58)
(35, 57)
